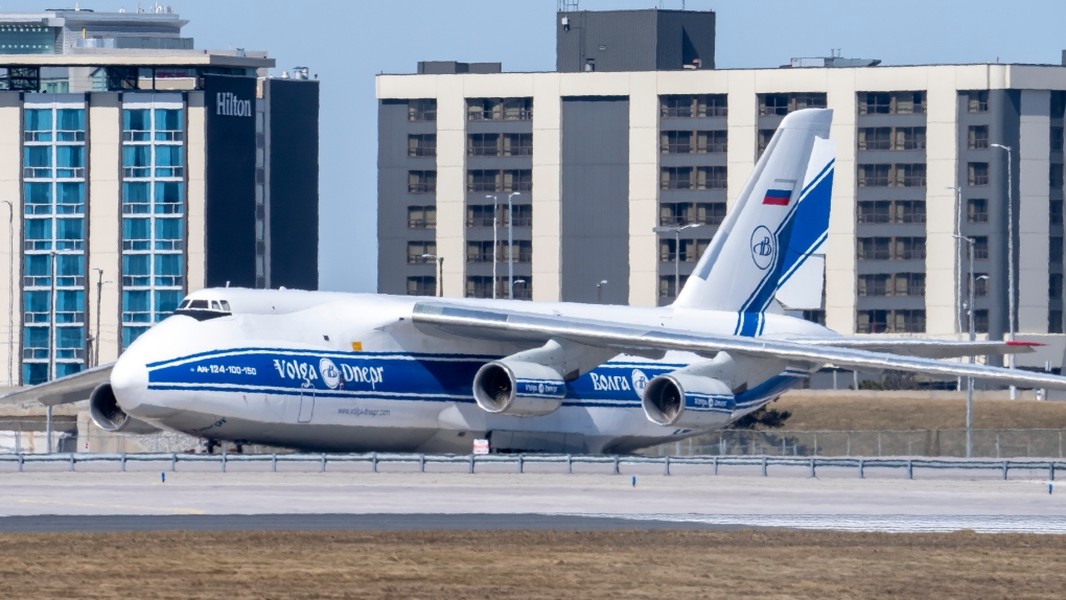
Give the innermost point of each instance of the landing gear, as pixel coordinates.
(210, 446)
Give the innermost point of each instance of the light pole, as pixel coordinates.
(958, 260)
(969, 380)
(495, 243)
(599, 291)
(99, 293)
(676, 230)
(440, 271)
(10, 290)
(510, 247)
(1010, 260)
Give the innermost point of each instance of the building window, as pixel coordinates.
(422, 109)
(764, 137)
(421, 182)
(909, 138)
(711, 178)
(1055, 250)
(1054, 286)
(153, 206)
(422, 285)
(490, 180)
(980, 247)
(499, 109)
(1055, 176)
(1056, 139)
(814, 316)
(910, 175)
(873, 285)
(710, 213)
(875, 138)
(890, 321)
(479, 215)
(894, 103)
(977, 137)
(1055, 212)
(421, 217)
(890, 248)
(422, 145)
(977, 210)
(888, 211)
(977, 174)
(675, 178)
(977, 101)
(692, 105)
(517, 144)
(1054, 321)
(873, 175)
(417, 250)
(773, 104)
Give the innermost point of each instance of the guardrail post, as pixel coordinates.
(1051, 471)
(71, 461)
(716, 465)
(421, 463)
(471, 470)
(174, 461)
(617, 469)
(322, 469)
(22, 459)
(274, 462)
(812, 468)
(862, 469)
(666, 466)
(521, 464)
(1005, 467)
(225, 457)
(569, 464)
(764, 466)
(374, 461)
(910, 468)
(122, 461)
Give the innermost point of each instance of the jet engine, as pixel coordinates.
(689, 401)
(518, 388)
(109, 416)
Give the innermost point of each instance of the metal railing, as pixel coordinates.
(519, 463)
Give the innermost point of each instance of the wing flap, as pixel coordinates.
(480, 323)
(927, 348)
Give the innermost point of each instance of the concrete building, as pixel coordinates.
(609, 172)
(135, 170)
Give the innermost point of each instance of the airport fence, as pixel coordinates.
(987, 443)
(374, 462)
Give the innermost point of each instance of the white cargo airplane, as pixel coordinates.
(360, 372)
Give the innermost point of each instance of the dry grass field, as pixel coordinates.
(521, 564)
(836, 411)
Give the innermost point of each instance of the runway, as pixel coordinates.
(409, 501)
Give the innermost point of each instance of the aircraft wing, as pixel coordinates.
(63, 390)
(490, 324)
(927, 348)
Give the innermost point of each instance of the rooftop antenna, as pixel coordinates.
(568, 5)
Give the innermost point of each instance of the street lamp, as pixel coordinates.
(99, 293)
(1010, 260)
(677, 249)
(510, 247)
(10, 290)
(599, 291)
(958, 259)
(969, 380)
(440, 271)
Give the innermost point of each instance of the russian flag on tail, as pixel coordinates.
(777, 197)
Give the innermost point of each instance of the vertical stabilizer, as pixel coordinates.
(778, 223)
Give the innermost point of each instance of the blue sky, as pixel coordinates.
(348, 42)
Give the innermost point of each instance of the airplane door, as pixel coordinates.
(307, 406)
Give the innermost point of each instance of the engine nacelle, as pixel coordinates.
(518, 388)
(109, 416)
(688, 401)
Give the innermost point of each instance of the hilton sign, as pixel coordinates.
(227, 104)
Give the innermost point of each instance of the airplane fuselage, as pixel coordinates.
(351, 372)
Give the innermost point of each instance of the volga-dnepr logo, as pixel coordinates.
(227, 104)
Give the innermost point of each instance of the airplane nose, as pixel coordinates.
(129, 380)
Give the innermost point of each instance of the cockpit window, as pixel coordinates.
(202, 310)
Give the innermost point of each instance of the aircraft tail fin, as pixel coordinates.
(779, 222)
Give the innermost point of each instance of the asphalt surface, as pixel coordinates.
(142, 501)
